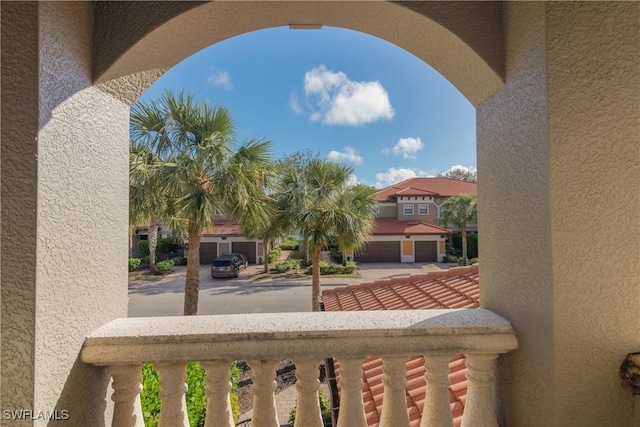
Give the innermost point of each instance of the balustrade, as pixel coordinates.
(123, 345)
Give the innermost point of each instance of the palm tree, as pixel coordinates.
(322, 205)
(460, 210)
(146, 202)
(200, 172)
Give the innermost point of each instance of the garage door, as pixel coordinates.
(426, 251)
(247, 249)
(379, 252)
(208, 251)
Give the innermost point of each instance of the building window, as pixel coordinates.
(407, 209)
(423, 209)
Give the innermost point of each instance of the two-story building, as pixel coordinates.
(407, 226)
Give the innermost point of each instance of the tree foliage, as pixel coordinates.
(319, 201)
(459, 211)
(462, 173)
(199, 171)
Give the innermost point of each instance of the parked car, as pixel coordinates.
(228, 265)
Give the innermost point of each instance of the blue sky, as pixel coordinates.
(343, 94)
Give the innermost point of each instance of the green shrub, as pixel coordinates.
(134, 263)
(274, 254)
(325, 410)
(178, 260)
(474, 261)
(451, 259)
(289, 245)
(287, 265)
(146, 260)
(143, 248)
(472, 244)
(326, 268)
(336, 255)
(195, 396)
(164, 266)
(165, 246)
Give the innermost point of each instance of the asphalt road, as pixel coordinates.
(165, 297)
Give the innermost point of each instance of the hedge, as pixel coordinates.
(195, 396)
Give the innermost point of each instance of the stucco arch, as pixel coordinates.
(139, 40)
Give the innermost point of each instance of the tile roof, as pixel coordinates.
(223, 228)
(453, 288)
(442, 187)
(394, 226)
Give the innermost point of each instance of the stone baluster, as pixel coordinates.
(127, 411)
(480, 409)
(437, 409)
(307, 385)
(351, 407)
(394, 401)
(263, 373)
(173, 386)
(218, 387)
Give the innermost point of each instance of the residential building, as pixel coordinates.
(457, 287)
(556, 87)
(226, 237)
(407, 226)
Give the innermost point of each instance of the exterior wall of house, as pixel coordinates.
(388, 210)
(413, 238)
(564, 132)
(430, 217)
(72, 164)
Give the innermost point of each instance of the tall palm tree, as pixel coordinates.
(200, 172)
(322, 205)
(460, 210)
(146, 201)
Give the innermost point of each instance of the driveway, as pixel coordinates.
(165, 297)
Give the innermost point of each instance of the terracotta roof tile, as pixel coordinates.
(383, 226)
(223, 228)
(442, 187)
(453, 288)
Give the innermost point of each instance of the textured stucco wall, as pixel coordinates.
(19, 181)
(593, 82)
(156, 41)
(82, 214)
(513, 170)
(64, 184)
(565, 132)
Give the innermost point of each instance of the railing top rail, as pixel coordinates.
(323, 334)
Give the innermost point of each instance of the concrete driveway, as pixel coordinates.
(245, 294)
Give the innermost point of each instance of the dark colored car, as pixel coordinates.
(228, 265)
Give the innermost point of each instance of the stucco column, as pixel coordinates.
(64, 211)
(558, 155)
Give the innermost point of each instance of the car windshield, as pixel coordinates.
(222, 263)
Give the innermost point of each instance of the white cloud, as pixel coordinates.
(393, 176)
(219, 78)
(336, 100)
(353, 180)
(407, 147)
(348, 154)
(294, 104)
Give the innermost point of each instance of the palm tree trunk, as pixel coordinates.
(153, 243)
(192, 284)
(463, 232)
(315, 276)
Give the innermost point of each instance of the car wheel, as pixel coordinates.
(237, 272)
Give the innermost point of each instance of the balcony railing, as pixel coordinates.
(123, 345)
